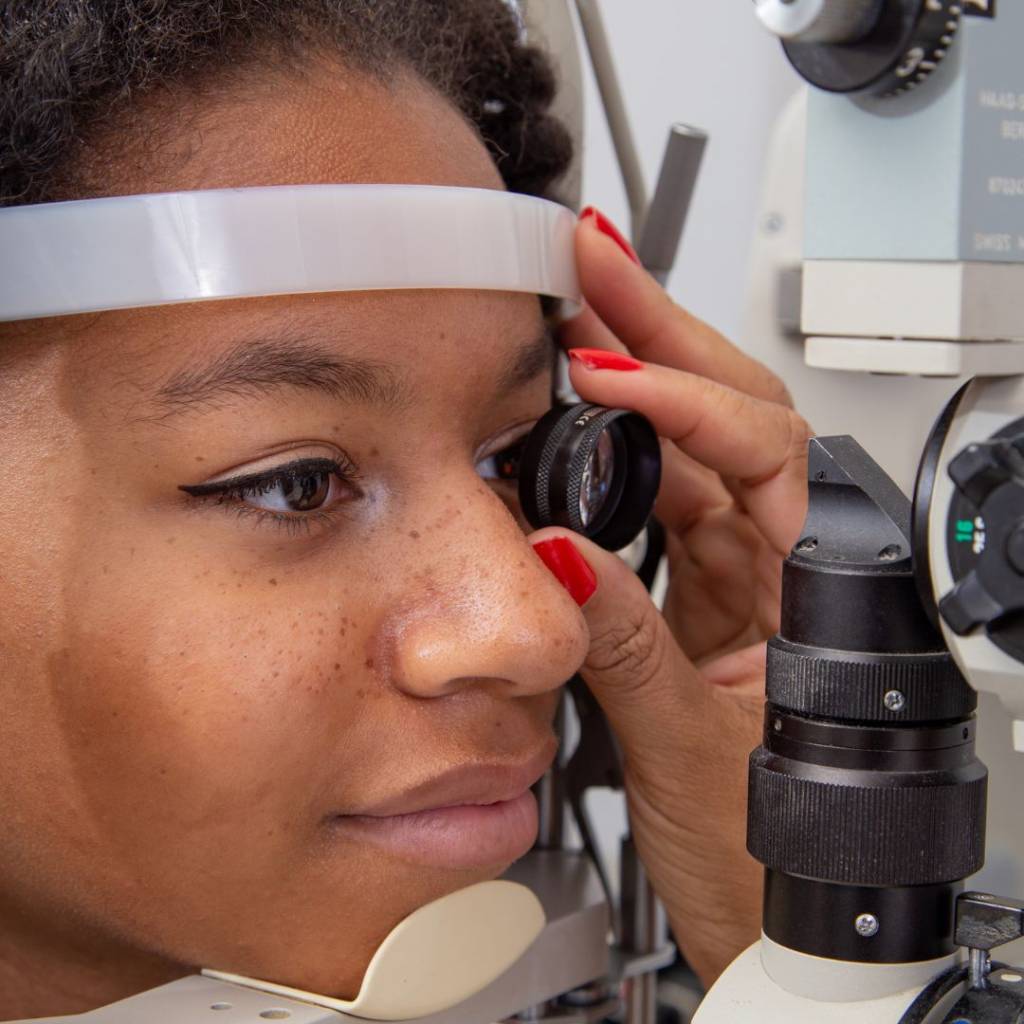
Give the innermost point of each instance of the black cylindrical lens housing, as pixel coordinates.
(592, 469)
(866, 799)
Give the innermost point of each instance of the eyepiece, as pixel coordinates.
(591, 469)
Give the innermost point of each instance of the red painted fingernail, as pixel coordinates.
(602, 359)
(606, 227)
(569, 567)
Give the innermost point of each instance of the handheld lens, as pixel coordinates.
(592, 469)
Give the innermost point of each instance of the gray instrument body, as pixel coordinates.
(933, 175)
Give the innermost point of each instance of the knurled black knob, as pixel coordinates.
(903, 42)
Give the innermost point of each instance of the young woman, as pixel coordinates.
(277, 664)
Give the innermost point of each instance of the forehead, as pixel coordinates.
(325, 123)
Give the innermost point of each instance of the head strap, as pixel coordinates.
(150, 250)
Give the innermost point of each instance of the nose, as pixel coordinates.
(484, 611)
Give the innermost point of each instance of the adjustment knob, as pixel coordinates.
(819, 21)
(986, 536)
(875, 47)
(979, 470)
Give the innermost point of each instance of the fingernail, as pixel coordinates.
(606, 227)
(602, 359)
(569, 567)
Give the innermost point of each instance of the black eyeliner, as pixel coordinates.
(257, 481)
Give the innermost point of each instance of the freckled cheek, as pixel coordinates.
(220, 705)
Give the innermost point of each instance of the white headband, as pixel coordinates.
(127, 251)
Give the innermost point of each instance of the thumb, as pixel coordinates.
(646, 685)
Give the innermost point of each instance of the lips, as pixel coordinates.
(475, 815)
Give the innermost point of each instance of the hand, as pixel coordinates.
(684, 691)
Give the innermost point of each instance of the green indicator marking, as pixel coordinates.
(965, 531)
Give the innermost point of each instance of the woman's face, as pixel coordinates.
(261, 602)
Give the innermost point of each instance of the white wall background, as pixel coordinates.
(709, 64)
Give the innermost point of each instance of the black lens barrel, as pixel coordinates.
(556, 454)
(866, 799)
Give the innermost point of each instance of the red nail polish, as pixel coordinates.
(606, 227)
(602, 359)
(569, 567)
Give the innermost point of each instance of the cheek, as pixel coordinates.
(205, 705)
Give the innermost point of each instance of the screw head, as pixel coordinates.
(895, 701)
(866, 925)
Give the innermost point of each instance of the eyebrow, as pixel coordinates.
(528, 362)
(264, 366)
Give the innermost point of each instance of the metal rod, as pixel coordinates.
(642, 928)
(550, 793)
(677, 181)
(615, 111)
(977, 968)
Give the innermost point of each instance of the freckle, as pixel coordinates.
(522, 565)
(361, 694)
(375, 452)
(171, 540)
(93, 471)
(163, 771)
(199, 458)
(274, 675)
(414, 534)
(272, 582)
(443, 336)
(369, 662)
(320, 631)
(337, 665)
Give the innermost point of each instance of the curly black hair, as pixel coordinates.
(72, 68)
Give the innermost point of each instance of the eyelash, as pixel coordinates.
(234, 491)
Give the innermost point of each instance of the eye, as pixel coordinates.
(302, 487)
(304, 491)
(504, 464)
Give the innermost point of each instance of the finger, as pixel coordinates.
(688, 491)
(634, 666)
(762, 444)
(685, 745)
(641, 315)
(588, 330)
(741, 672)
